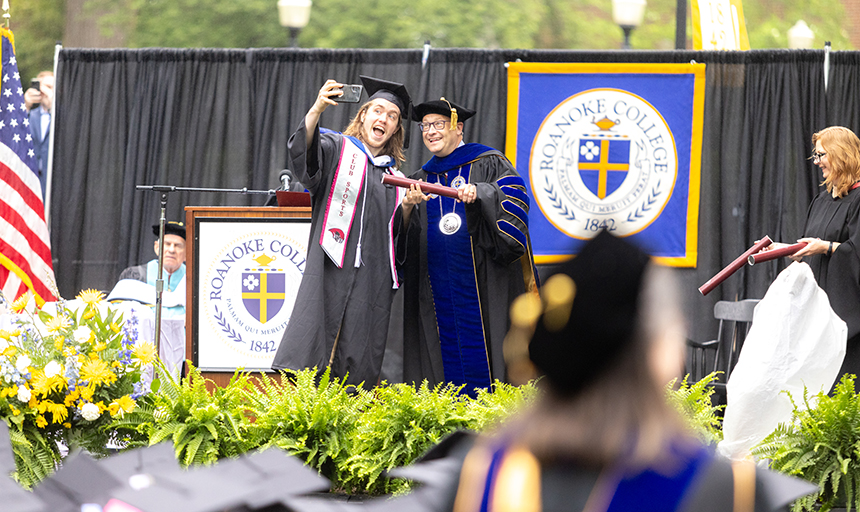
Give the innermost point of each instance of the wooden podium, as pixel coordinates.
(218, 224)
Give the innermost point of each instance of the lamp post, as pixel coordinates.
(800, 35)
(628, 14)
(294, 14)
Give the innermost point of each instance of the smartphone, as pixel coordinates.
(351, 94)
(34, 84)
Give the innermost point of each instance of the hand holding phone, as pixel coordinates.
(351, 94)
(34, 84)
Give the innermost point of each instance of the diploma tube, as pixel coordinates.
(733, 267)
(427, 188)
(773, 254)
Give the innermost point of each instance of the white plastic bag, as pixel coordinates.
(796, 339)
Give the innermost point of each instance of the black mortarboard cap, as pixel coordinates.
(395, 93)
(442, 107)
(590, 312)
(78, 481)
(171, 227)
(252, 480)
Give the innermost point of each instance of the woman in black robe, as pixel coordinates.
(832, 232)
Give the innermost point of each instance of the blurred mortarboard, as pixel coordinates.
(589, 313)
(442, 107)
(171, 227)
(7, 456)
(78, 481)
(395, 93)
(253, 480)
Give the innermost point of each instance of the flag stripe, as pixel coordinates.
(17, 222)
(20, 267)
(18, 179)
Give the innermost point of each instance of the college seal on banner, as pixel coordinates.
(603, 159)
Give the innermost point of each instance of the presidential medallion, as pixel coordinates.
(450, 223)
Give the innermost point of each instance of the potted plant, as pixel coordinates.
(822, 445)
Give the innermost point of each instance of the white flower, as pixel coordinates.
(22, 363)
(3, 344)
(53, 368)
(82, 334)
(90, 412)
(23, 394)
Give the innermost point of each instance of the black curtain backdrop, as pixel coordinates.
(221, 118)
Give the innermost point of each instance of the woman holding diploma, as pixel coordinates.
(832, 232)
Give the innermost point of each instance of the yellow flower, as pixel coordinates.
(116, 364)
(21, 302)
(121, 405)
(15, 412)
(90, 296)
(9, 334)
(9, 351)
(41, 422)
(67, 425)
(87, 392)
(68, 352)
(145, 352)
(58, 343)
(59, 412)
(97, 372)
(44, 385)
(99, 347)
(114, 327)
(89, 314)
(57, 323)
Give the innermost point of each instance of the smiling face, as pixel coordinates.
(823, 161)
(379, 123)
(174, 252)
(441, 142)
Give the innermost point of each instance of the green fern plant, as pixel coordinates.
(821, 445)
(310, 415)
(36, 452)
(400, 425)
(695, 405)
(489, 409)
(204, 425)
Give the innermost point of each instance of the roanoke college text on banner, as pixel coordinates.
(609, 146)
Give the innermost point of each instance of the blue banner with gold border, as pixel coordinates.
(609, 146)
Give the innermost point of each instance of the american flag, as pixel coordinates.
(25, 245)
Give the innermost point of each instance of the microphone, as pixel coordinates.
(286, 177)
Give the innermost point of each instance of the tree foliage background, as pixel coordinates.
(538, 24)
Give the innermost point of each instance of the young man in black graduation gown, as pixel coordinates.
(343, 304)
(465, 260)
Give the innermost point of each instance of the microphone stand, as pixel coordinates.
(159, 282)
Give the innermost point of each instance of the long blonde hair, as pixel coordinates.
(843, 153)
(393, 147)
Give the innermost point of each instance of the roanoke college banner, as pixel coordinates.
(609, 146)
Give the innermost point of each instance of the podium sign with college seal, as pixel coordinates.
(249, 271)
(609, 146)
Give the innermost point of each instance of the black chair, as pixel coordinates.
(721, 354)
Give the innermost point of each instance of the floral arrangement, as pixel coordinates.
(67, 370)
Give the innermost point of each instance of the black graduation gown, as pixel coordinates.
(341, 311)
(499, 274)
(838, 220)
(702, 481)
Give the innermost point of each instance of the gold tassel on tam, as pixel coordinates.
(453, 113)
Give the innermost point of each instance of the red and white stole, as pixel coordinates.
(342, 201)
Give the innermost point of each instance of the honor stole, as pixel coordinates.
(342, 203)
(451, 266)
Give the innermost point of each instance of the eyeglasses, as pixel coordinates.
(816, 156)
(437, 125)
